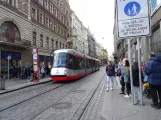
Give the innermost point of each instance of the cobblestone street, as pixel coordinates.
(54, 101)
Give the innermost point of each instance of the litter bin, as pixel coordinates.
(2, 84)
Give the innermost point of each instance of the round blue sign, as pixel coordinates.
(132, 9)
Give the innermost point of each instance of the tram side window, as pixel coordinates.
(71, 62)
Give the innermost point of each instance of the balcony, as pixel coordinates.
(21, 44)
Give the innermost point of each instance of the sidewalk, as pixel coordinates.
(116, 107)
(16, 84)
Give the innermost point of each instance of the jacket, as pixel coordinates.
(110, 70)
(153, 71)
(135, 75)
(126, 74)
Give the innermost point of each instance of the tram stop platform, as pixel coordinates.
(16, 84)
(117, 107)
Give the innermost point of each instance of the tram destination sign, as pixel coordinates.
(133, 18)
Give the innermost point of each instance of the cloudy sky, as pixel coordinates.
(99, 16)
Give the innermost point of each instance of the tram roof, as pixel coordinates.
(76, 53)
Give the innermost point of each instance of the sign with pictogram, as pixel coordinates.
(133, 18)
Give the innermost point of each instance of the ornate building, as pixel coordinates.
(26, 24)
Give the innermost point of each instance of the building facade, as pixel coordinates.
(78, 37)
(28, 24)
(91, 45)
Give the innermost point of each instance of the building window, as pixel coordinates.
(47, 22)
(41, 18)
(9, 32)
(51, 9)
(51, 25)
(63, 46)
(65, 21)
(59, 16)
(52, 43)
(56, 28)
(60, 45)
(41, 40)
(11, 2)
(41, 2)
(34, 14)
(47, 42)
(46, 4)
(62, 19)
(56, 44)
(55, 12)
(59, 29)
(34, 38)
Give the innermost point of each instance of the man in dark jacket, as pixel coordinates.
(153, 71)
(110, 70)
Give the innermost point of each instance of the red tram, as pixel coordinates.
(69, 64)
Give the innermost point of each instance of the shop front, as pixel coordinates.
(14, 62)
(46, 60)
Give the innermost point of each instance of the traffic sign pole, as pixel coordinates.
(140, 81)
(133, 20)
(130, 62)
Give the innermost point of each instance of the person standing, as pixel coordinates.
(126, 74)
(110, 70)
(136, 90)
(153, 71)
(43, 71)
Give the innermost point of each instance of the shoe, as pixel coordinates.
(127, 96)
(111, 89)
(130, 96)
(155, 106)
(107, 89)
(121, 93)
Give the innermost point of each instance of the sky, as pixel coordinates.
(99, 16)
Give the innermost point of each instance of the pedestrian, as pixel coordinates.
(126, 74)
(153, 71)
(135, 76)
(43, 71)
(28, 72)
(122, 76)
(110, 70)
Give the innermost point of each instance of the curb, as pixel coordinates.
(23, 86)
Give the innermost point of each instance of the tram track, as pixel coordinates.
(90, 100)
(33, 116)
(37, 105)
(29, 98)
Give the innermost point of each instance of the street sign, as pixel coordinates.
(9, 57)
(133, 18)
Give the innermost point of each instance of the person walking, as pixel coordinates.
(153, 71)
(43, 71)
(28, 72)
(110, 70)
(126, 74)
(135, 76)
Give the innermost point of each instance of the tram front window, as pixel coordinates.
(60, 60)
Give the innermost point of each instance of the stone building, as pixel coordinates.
(91, 45)
(28, 24)
(78, 37)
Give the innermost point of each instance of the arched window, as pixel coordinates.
(9, 32)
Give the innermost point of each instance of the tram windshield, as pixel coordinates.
(60, 60)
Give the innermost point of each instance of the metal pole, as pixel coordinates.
(131, 78)
(139, 63)
(8, 70)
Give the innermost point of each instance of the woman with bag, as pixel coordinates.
(126, 74)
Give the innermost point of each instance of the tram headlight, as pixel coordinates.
(65, 72)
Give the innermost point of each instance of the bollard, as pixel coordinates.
(2, 84)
